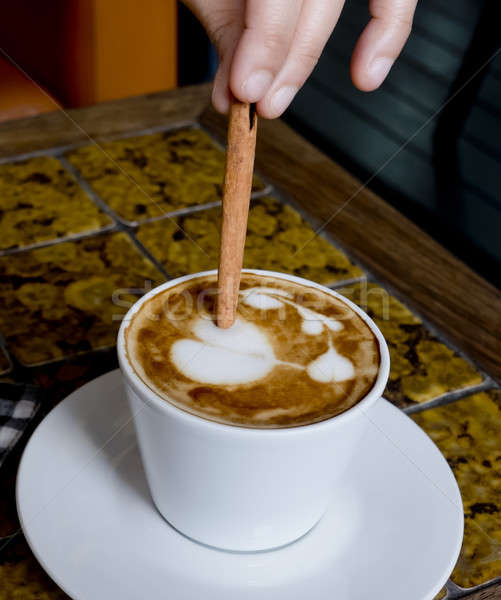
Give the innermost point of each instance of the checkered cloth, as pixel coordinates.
(18, 405)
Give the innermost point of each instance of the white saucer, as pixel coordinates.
(394, 530)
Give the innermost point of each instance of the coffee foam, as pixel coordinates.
(282, 363)
(238, 355)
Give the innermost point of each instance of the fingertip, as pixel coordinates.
(220, 98)
(254, 87)
(221, 104)
(369, 77)
(263, 111)
(358, 70)
(220, 91)
(379, 69)
(361, 80)
(276, 102)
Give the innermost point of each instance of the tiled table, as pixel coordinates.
(88, 225)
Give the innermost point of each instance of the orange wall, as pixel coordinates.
(87, 51)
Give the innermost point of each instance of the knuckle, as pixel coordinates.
(275, 41)
(307, 60)
(400, 23)
(399, 18)
(222, 26)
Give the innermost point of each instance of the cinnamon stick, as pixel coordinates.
(236, 197)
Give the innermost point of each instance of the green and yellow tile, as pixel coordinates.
(67, 298)
(422, 367)
(40, 201)
(278, 239)
(148, 176)
(468, 432)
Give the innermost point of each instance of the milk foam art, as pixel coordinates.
(243, 353)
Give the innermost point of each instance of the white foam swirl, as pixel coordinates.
(331, 366)
(243, 354)
(238, 355)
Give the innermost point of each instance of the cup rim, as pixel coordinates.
(151, 398)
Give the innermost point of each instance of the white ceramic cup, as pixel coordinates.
(239, 488)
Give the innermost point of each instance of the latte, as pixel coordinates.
(295, 355)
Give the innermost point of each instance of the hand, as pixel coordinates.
(268, 48)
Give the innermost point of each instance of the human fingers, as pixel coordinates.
(381, 42)
(314, 27)
(267, 36)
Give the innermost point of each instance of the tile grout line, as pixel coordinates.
(451, 397)
(88, 189)
(57, 151)
(343, 283)
(61, 240)
(433, 329)
(285, 200)
(147, 254)
(455, 592)
(121, 226)
(440, 335)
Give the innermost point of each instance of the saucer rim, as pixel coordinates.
(117, 373)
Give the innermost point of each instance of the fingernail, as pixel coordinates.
(257, 84)
(283, 98)
(379, 69)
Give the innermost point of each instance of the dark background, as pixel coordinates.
(428, 139)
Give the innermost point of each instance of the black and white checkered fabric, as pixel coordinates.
(18, 405)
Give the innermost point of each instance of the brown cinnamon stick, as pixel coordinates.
(236, 197)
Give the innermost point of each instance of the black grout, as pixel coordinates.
(455, 591)
(451, 397)
(84, 184)
(121, 225)
(148, 254)
(59, 240)
(433, 329)
(339, 285)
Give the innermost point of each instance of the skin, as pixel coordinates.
(268, 48)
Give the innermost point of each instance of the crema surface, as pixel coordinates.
(295, 355)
